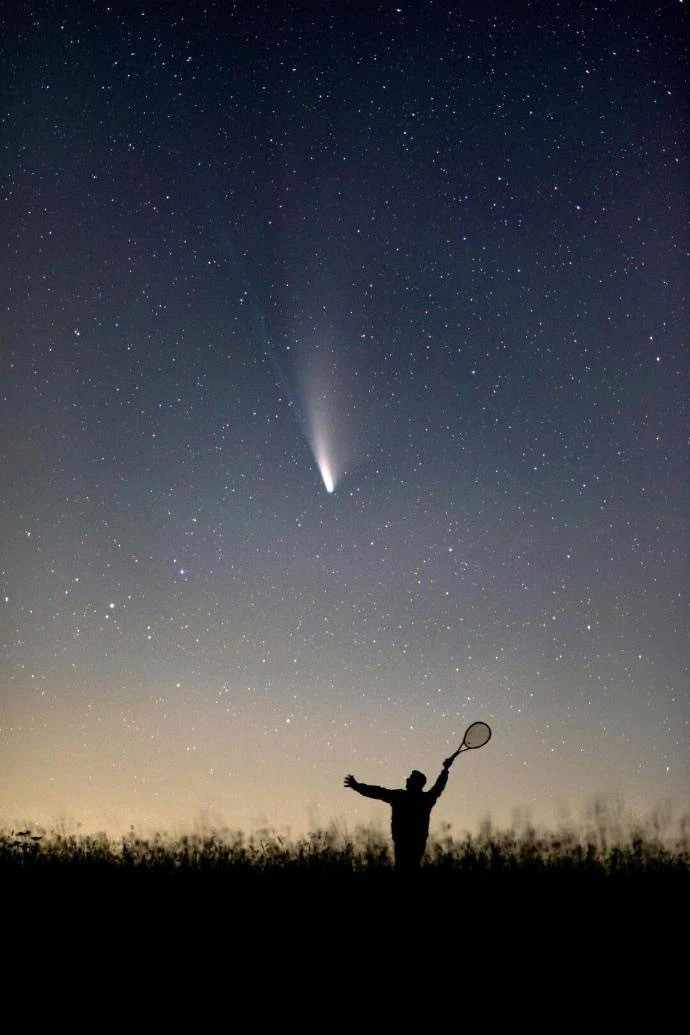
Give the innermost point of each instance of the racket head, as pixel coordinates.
(477, 735)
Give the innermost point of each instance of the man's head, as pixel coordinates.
(415, 780)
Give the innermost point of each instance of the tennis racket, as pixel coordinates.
(476, 735)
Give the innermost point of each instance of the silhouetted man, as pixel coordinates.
(411, 811)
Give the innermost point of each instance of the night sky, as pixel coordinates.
(429, 254)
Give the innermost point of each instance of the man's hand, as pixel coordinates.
(447, 762)
(351, 782)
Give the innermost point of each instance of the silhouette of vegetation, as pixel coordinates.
(299, 905)
(607, 844)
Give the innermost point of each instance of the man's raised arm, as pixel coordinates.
(369, 790)
(438, 788)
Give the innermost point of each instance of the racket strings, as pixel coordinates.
(477, 735)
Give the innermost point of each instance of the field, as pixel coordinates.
(607, 864)
(606, 845)
(588, 916)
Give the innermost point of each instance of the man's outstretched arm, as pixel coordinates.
(439, 787)
(368, 790)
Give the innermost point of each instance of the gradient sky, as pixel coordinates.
(436, 248)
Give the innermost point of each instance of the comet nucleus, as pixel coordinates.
(327, 479)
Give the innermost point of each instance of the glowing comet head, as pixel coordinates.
(324, 461)
(327, 479)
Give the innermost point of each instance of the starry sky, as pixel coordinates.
(429, 255)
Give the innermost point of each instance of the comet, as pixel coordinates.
(313, 386)
(327, 480)
(321, 426)
(325, 470)
(319, 431)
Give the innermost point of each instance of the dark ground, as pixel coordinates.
(317, 943)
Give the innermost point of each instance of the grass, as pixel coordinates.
(604, 892)
(605, 845)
